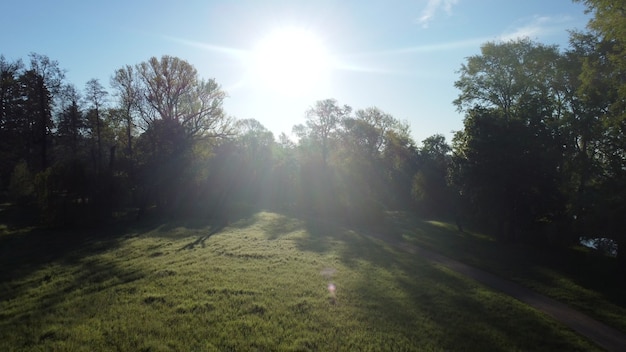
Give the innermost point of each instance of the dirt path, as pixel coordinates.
(605, 336)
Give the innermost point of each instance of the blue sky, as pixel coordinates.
(401, 56)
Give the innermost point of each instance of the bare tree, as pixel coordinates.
(125, 82)
(170, 89)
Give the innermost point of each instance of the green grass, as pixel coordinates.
(260, 283)
(577, 276)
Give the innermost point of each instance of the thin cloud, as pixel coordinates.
(536, 27)
(472, 42)
(428, 13)
(418, 49)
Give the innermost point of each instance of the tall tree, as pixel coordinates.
(11, 133)
(181, 114)
(603, 85)
(508, 173)
(504, 74)
(42, 82)
(322, 124)
(510, 152)
(70, 122)
(379, 124)
(95, 95)
(609, 22)
(430, 183)
(171, 90)
(125, 82)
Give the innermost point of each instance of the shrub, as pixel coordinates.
(21, 186)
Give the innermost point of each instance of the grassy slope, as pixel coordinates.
(259, 284)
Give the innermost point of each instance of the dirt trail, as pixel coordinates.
(605, 336)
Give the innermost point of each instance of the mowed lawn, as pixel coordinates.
(258, 284)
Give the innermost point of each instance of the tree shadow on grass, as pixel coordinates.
(460, 314)
(281, 225)
(472, 318)
(581, 266)
(432, 307)
(26, 249)
(352, 242)
(38, 309)
(24, 253)
(201, 224)
(594, 278)
(201, 240)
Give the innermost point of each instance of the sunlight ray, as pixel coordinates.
(239, 53)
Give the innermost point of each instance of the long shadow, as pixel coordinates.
(91, 275)
(26, 252)
(596, 286)
(455, 308)
(25, 249)
(583, 267)
(201, 241)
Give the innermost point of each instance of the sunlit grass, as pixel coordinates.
(259, 284)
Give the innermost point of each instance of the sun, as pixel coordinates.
(291, 61)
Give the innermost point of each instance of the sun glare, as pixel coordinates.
(291, 61)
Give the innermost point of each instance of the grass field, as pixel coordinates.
(258, 284)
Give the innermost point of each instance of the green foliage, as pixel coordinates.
(601, 89)
(21, 186)
(608, 22)
(430, 188)
(68, 195)
(508, 173)
(505, 73)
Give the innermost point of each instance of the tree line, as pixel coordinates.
(541, 158)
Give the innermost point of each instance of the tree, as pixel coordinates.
(241, 170)
(370, 158)
(430, 183)
(603, 88)
(508, 174)
(171, 90)
(43, 81)
(180, 114)
(400, 161)
(125, 82)
(504, 73)
(12, 134)
(70, 122)
(609, 23)
(374, 125)
(322, 124)
(94, 96)
(508, 157)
